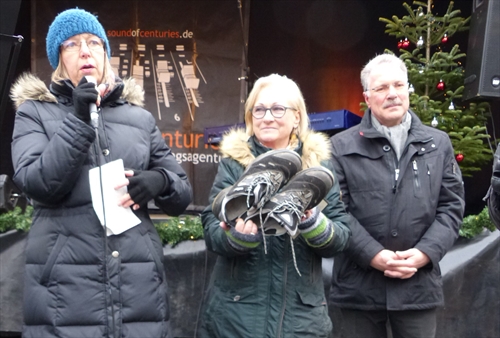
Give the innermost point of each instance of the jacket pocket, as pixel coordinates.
(230, 312)
(51, 260)
(157, 260)
(311, 299)
(311, 318)
(417, 189)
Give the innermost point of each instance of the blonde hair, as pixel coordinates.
(108, 77)
(296, 101)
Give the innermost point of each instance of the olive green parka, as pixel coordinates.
(260, 294)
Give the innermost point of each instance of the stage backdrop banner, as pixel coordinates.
(188, 57)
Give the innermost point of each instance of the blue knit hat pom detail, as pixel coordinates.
(69, 23)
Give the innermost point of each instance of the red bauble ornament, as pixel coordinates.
(400, 43)
(459, 157)
(444, 39)
(440, 85)
(406, 43)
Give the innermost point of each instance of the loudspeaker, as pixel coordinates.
(10, 195)
(482, 70)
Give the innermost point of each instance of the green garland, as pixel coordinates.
(185, 228)
(16, 219)
(473, 225)
(172, 231)
(178, 229)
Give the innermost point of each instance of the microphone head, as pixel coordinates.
(91, 79)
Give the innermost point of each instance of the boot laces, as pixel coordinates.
(262, 185)
(296, 205)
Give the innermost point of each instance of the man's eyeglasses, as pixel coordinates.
(399, 87)
(277, 111)
(92, 43)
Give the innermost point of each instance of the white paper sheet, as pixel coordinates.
(118, 218)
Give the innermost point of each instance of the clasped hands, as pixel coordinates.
(399, 264)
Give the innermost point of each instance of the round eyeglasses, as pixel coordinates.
(277, 111)
(92, 43)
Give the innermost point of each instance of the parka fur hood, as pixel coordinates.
(315, 148)
(30, 87)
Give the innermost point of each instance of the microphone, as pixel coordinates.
(94, 117)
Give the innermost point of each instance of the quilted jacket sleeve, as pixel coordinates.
(47, 168)
(179, 193)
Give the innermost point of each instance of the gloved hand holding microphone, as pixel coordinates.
(87, 97)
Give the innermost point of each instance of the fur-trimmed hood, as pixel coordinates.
(315, 148)
(30, 87)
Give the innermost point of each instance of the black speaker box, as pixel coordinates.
(10, 195)
(482, 70)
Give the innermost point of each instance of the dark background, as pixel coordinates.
(321, 44)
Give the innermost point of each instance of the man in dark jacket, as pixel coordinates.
(400, 182)
(493, 196)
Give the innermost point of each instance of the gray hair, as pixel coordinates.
(377, 61)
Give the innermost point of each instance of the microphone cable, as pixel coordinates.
(97, 152)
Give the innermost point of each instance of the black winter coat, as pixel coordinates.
(422, 209)
(78, 282)
(493, 198)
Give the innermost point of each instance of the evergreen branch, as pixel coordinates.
(420, 3)
(465, 121)
(473, 225)
(178, 229)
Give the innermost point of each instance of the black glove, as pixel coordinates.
(84, 94)
(495, 178)
(146, 185)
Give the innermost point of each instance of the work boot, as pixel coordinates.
(283, 212)
(260, 180)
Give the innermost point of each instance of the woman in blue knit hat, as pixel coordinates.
(84, 279)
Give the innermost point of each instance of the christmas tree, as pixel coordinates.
(436, 77)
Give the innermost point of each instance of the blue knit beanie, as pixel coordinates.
(69, 23)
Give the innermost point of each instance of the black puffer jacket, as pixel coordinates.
(80, 283)
(422, 209)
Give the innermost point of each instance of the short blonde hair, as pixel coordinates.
(296, 101)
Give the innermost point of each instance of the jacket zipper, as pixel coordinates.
(415, 175)
(396, 172)
(396, 176)
(285, 278)
(109, 290)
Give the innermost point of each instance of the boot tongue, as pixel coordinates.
(288, 220)
(259, 192)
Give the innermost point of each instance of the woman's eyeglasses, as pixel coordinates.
(92, 43)
(277, 111)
